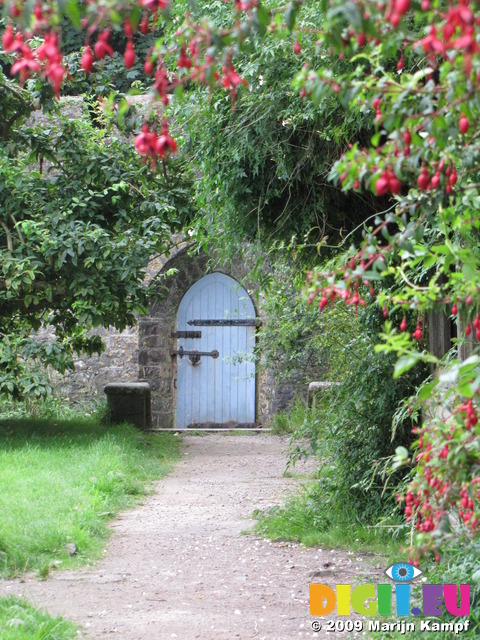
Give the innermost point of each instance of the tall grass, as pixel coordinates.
(62, 481)
(288, 422)
(299, 520)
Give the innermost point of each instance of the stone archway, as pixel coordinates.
(157, 335)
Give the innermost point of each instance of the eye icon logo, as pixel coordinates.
(403, 572)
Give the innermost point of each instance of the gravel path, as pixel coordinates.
(179, 567)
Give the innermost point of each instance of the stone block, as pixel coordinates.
(130, 402)
(164, 420)
(316, 389)
(149, 327)
(154, 342)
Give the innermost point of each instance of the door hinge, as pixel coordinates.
(186, 334)
(243, 322)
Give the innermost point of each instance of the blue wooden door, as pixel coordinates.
(216, 390)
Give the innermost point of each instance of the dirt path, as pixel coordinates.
(179, 566)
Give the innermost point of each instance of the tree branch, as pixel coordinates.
(17, 229)
(8, 235)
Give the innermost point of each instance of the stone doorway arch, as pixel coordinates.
(157, 334)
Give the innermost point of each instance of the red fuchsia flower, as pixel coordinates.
(127, 28)
(144, 26)
(242, 5)
(29, 61)
(8, 39)
(323, 302)
(26, 65)
(184, 62)
(87, 59)
(154, 5)
(16, 45)
(143, 141)
(417, 334)
(165, 143)
(148, 143)
(231, 79)
(472, 417)
(38, 11)
(148, 66)
(194, 48)
(356, 300)
(49, 49)
(463, 125)
(388, 181)
(432, 44)
(129, 55)
(49, 53)
(401, 6)
(161, 85)
(102, 46)
(55, 74)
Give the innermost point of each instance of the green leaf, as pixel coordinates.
(291, 16)
(73, 12)
(426, 390)
(62, 5)
(263, 15)
(401, 452)
(404, 364)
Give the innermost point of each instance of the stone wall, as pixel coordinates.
(119, 362)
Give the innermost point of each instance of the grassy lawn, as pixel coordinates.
(20, 621)
(62, 481)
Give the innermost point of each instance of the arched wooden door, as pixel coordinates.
(216, 387)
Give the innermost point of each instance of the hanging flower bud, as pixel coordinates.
(87, 60)
(417, 334)
(129, 55)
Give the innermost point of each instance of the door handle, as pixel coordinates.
(194, 355)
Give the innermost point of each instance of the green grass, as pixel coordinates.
(62, 481)
(299, 520)
(287, 422)
(20, 621)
